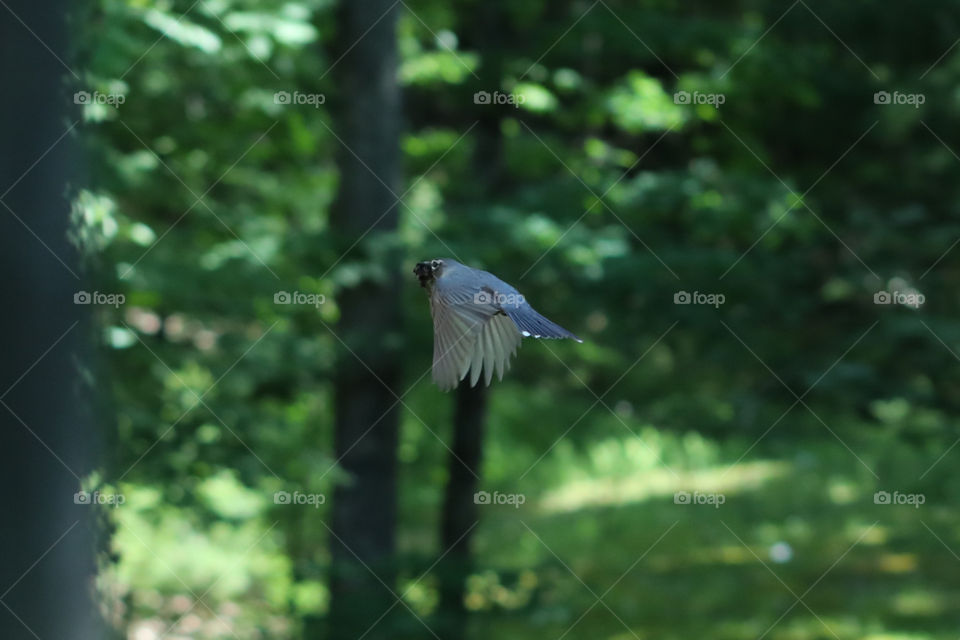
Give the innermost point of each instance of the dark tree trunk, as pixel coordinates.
(464, 464)
(459, 508)
(46, 435)
(368, 116)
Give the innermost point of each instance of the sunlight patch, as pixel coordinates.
(661, 483)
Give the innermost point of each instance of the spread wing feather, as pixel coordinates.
(454, 335)
(474, 333)
(506, 339)
(470, 337)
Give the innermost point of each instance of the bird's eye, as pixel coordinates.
(435, 264)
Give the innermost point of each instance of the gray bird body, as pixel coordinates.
(478, 322)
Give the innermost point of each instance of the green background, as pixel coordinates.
(798, 199)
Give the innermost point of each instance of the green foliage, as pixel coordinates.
(797, 198)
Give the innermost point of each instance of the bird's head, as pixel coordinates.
(428, 271)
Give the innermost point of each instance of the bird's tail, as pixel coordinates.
(533, 325)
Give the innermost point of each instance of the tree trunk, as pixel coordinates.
(46, 434)
(459, 508)
(368, 117)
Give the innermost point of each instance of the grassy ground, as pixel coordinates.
(798, 549)
(784, 544)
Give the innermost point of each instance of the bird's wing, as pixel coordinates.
(469, 336)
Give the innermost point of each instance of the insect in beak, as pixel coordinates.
(424, 272)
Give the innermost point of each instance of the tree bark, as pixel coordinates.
(460, 513)
(368, 119)
(46, 434)
(459, 508)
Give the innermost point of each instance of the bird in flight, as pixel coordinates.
(478, 322)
